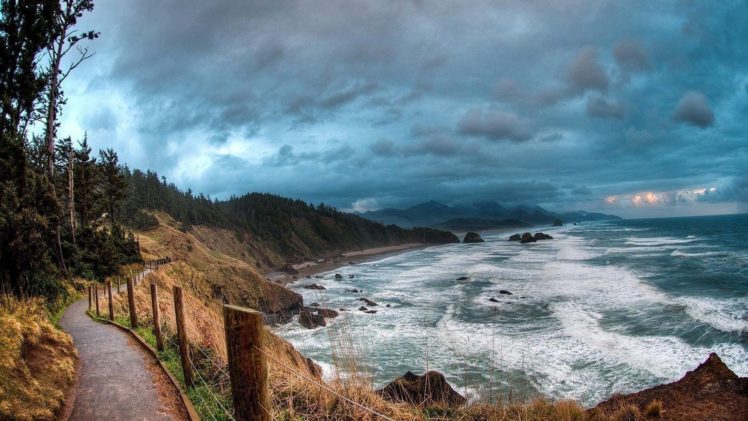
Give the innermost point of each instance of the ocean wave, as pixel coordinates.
(658, 241)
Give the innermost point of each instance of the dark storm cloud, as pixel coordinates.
(693, 108)
(631, 56)
(495, 125)
(586, 72)
(598, 106)
(393, 102)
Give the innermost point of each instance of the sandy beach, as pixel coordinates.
(311, 268)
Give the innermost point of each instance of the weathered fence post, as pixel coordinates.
(90, 297)
(184, 352)
(96, 295)
(111, 304)
(247, 367)
(131, 303)
(156, 318)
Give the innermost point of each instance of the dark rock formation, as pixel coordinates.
(288, 268)
(463, 278)
(493, 300)
(368, 302)
(540, 236)
(505, 292)
(354, 290)
(711, 392)
(430, 389)
(314, 286)
(351, 276)
(328, 313)
(527, 238)
(515, 237)
(558, 223)
(366, 310)
(472, 237)
(338, 276)
(310, 320)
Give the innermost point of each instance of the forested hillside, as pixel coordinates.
(282, 229)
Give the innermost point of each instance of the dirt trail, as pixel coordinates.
(118, 379)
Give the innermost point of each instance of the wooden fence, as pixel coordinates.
(247, 366)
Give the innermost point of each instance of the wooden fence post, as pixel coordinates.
(111, 304)
(184, 352)
(96, 296)
(90, 297)
(156, 318)
(247, 367)
(131, 303)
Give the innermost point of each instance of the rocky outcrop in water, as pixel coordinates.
(430, 389)
(541, 236)
(527, 238)
(710, 392)
(310, 320)
(515, 237)
(472, 237)
(368, 302)
(314, 286)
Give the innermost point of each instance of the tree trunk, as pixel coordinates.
(71, 194)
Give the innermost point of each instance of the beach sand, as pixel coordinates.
(311, 268)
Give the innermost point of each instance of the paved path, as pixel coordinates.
(118, 379)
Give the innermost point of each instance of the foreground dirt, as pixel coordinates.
(710, 392)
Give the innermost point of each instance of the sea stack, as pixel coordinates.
(472, 237)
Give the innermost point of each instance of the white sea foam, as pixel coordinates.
(658, 241)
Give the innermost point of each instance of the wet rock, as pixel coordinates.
(328, 313)
(472, 237)
(505, 292)
(351, 276)
(527, 238)
(310, 320)
(540, 236)
(430, 389)
(314, 304)
(362, 308)
(493, 300)
(338, 276)
(463, 278)
(314, 286)
(388, 306)
(515, 237)
(353, 290)
(368, 302)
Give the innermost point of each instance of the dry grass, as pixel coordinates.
(37, 361)
(653, 409)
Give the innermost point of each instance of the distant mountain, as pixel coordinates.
(465, 224)
(480, 215)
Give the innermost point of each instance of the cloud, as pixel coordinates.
(586, 73)
(494, 125)
(383, 147)
(599, 107)
(630, 56)
(403, 101)
(693, 108)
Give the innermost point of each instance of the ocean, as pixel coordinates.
(606, 307)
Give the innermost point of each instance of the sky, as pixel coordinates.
(636, 108)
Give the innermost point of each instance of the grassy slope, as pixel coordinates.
(37, 360)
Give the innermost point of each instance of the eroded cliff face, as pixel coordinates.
(710, 392)
(217, 266)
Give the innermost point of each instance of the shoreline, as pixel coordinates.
(310, 268)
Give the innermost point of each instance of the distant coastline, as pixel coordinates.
(311, 267)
